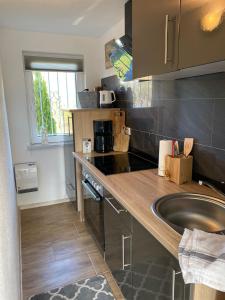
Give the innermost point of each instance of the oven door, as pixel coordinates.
(94, 214)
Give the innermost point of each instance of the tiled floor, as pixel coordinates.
(57, 249)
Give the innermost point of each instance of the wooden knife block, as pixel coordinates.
(179, 169)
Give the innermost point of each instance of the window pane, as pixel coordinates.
(52, 128)
(63, 88)
(53, 91)
(71, 89)
(42, 104)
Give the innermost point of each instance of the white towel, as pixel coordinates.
(202, 258)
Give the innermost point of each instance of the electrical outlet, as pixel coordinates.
(128, 131)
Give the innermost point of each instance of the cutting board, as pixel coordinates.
(121, 139)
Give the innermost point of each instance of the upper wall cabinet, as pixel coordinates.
(170, 35)
(202, 32)
(155, 36)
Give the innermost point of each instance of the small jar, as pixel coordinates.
(86, 146)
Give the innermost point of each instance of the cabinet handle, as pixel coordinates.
(166, 39)
(174, 274)
(167, 20)
(124, 237)
(118, 211)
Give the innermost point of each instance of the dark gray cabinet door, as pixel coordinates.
(197, 45)
(118, 245)
(155, 36)
(155, 272)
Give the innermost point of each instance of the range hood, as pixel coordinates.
(121, 53)
(125, 41)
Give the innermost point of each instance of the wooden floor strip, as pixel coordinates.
(57, 249)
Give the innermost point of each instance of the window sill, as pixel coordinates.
(39, 146)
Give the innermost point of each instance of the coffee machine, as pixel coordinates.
(103, 135)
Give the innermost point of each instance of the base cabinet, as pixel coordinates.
(118, 244)
(142, 267)
(155, 272)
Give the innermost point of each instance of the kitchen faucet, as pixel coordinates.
(201, 182)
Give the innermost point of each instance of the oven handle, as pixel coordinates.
(90, 189)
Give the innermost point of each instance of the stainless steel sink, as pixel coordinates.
(186, 210)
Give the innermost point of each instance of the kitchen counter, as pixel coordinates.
(136, 191)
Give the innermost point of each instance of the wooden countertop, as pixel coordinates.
(136, 191)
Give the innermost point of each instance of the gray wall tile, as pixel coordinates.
(180, 119)
(209, 162)
(218, 134)
(190, 107)
(137, 140)
(151, 144)
(145, 119)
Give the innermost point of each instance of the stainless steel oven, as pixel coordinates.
(93, 208)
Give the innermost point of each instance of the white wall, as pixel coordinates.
(115, 32)
(10, 269)
(50, 161)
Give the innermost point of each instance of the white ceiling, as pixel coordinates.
(78, 17)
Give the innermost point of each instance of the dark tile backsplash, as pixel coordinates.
(218, 136)
(190, 107)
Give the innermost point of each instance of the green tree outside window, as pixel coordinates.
(44, 118)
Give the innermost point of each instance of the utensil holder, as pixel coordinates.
(179, 169)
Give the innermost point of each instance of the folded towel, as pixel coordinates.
(202, 258)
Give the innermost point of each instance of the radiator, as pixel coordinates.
(26, 177)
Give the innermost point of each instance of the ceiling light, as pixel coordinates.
(212, 20)
(78, 20)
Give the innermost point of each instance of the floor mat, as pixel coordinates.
(95, 288)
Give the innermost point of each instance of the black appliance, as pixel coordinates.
(93, 208)
(103, 135)
(121, 163)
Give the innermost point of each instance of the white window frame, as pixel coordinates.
(34, 137)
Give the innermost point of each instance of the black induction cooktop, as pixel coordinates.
(121, 163)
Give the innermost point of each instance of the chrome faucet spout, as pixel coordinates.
(201, 182)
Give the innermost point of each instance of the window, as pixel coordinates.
(48, 93)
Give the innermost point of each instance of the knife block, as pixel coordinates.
(179, 169)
